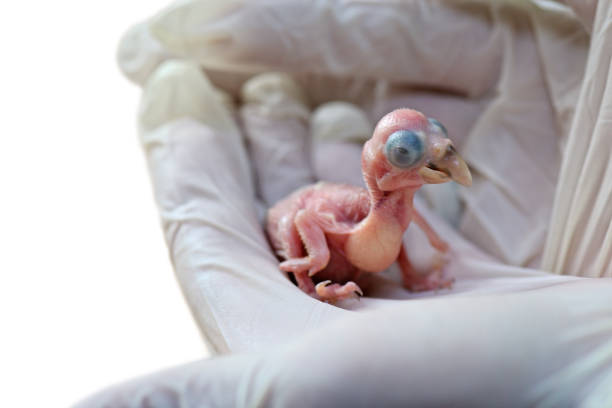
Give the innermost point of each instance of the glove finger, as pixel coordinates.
(442, 45)
(139, 53)
(207, 383)
(203, 187)
(524, 349)
(275, 116)
(538, 347)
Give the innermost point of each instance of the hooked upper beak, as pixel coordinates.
(449, 167)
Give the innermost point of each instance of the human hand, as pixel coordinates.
(204, 187)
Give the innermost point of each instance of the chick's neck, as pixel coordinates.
(389, 206)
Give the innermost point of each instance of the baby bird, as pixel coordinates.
(337, 231)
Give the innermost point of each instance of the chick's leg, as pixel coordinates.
(418, 282)
(292, 248)
(432, 236)
(313, 239)
(309, 226)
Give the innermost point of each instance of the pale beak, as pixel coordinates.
(449, 167)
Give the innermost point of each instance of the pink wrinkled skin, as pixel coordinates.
(335, 232)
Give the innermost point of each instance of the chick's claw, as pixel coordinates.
(329, 291)
(298, 265)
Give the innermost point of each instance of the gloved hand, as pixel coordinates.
(504, 335)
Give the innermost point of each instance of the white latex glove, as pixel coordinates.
(503, 336)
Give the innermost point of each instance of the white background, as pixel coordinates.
(87, 295)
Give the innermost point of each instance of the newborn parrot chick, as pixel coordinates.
(337, 231)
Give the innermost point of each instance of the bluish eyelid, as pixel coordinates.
(437, 123)
(404, 148)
